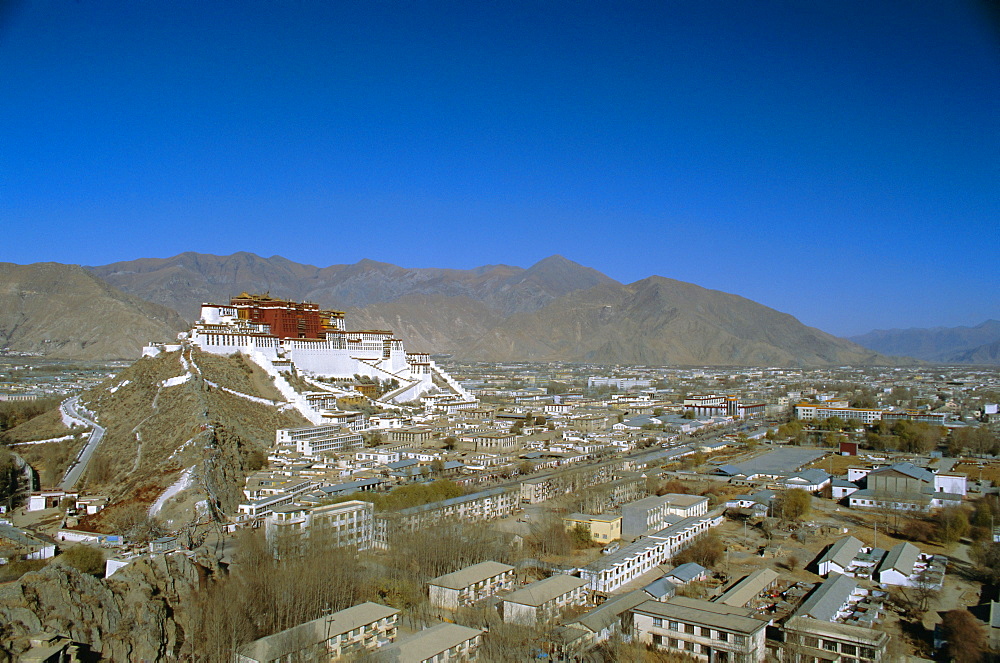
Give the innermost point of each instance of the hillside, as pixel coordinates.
(939, 344)
(661, 321)
(63, 311)
(185, 281)
(168, 414)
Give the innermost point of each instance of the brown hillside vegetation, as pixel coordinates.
(154, 432)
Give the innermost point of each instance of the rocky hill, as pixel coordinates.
(185, 281)
(195, 421)
(976, 345)
(63, 311)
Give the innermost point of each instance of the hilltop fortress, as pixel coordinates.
(294, 335)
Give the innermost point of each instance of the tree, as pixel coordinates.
(85, 559)
(706, 550)
(793, 504)
(953, 524)
(450, 442)
(965, 635)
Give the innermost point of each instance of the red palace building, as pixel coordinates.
(287, 319)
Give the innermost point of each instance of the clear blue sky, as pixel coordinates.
(839, 161)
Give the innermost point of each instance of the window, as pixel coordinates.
(673, 643)
(689, 628)
(829, 645)
(657, 622)
(723, 636)
(848, 649)
(689, 646)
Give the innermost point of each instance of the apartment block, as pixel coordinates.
(293, 529)
(707, 631)
(470, 585)
(367, 626)
(807, 640)
(312, 440)
(541, 601)
(441, 643)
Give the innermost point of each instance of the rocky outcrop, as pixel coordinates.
(140, 613)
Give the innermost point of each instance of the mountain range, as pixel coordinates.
(554, 310)
(961, 345)
(65, 312)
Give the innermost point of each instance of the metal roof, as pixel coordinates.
(470, 575)
(826, 600)
(543, 591)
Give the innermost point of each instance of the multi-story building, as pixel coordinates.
(475, 507)
(367, 626)
(708, 631)
(807, 640)
(602, 528)
(293, 529)
(643, 515)
(866, 415)
(313, 440)
(441, 643)
(541, 602)
(470, 585)
(723, 406)
(629, 562)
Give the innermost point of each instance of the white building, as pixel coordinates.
(313, 440)
(470, 585)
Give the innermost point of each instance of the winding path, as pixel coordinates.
(79, 465)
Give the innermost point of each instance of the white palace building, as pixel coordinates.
(314, 341)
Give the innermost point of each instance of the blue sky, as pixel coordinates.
(837, 161)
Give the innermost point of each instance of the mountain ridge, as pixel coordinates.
(961, 344)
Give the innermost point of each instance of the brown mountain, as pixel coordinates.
(185, 281)
(64, 311)
(655, 321)
(660, 321)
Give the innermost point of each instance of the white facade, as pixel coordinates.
(343, 354)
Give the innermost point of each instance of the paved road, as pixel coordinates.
(79, 465)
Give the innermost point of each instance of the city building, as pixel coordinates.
(541, 601)
(367, 626)
(602, 528)
(807, 640)
(711, 632)
(293, 529)
(470, 585)
(440, 643)
(313, 440)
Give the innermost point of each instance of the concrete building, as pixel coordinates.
(839, 557)
(541, 602)
(711, 632)
(367, 626)
(474, 507)
(602, 528)
(748, 589)
(313, 440)
(630, 561)
(294, 529)
(808, 640)
(470, 585)
(440, 643)
(643, 515)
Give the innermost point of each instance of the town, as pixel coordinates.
(562, 511)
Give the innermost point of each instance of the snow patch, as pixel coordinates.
(180, 449)
(173, 382)
(54, 439)
(255, 399)
(183, 483)
(119, 386)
